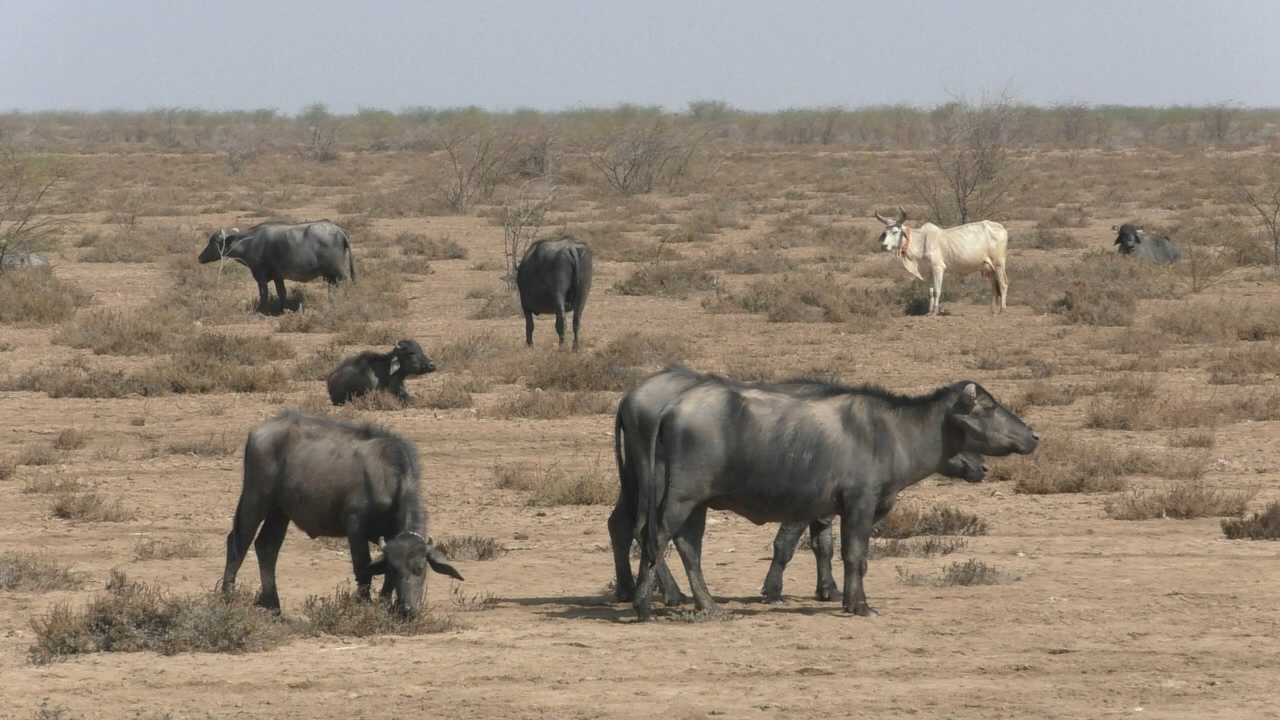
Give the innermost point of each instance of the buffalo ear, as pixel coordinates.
(1115, 228)
(395, 365)
(441, 564)
(968, 396)
(378, 566)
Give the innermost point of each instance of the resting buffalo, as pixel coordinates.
(772, 456)
(1133, 241)
(275, 251)
(554, 276)
(370, 371)
(21, 261)
(634, 425)
(335, 478)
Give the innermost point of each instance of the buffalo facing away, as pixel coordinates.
(554, 276)
(275, 251)
(335, 478)
(1133, 241)
(370, 371)
(771, 456)
(636, 421)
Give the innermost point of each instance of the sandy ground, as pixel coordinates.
(1106, 618)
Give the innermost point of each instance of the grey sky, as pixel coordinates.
(559, 54)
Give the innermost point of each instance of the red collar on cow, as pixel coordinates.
(906, 240)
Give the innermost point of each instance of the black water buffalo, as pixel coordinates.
(967, 466)
(771, 456)
(275, 251)
(370, 371)
(1133, 241)
(553, 277)
(334, 478)
(634, 425)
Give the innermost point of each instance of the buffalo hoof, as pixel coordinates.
(773, 600)
(862, 610)
(624, 594)
(826, 593)
(674, 600)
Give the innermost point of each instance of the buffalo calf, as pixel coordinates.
(370, 371)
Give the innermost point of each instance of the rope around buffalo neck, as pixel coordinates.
(906, 239)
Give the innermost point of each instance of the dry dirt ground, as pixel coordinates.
(1106, 618)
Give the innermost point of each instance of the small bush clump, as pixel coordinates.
(1263, 525)
(90, 506)
(28, 572)
(161, 549)
(471, 547)
(551, 485)
(908, 520)
(348, 615)
(965, 574)
(665, 279)
(1179, 500)
(37, 298)
(551, 405)
(923, 547)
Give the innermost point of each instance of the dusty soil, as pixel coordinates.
(1107, 618)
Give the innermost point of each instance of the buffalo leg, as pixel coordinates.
(855, 536)
(360, 562)
(577, 321)
(267, 546)
(820, 540)
(784, 547)
(243, 528)
(621, 531)
(560, 324)
(281, 293)
(528, 325)
(262, 297)
(689, 545)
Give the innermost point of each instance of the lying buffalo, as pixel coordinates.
(275, 251)
(634, 425)
(21, 260)
(772, 456)
(370, 371)
(334, 478)
(1133, 241)
(554, 276)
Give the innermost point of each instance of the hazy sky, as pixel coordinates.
(558, 54)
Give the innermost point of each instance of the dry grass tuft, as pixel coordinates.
(1263, 525)
(928, 546)
(436, 248)
(473, 602)
(551, 405)
(451, 394)
(665, 279)
(37, 456)
(909, 520)
(551, 485)
(1182, 500)
(174, 549)
(53, 483)
(70, 439)
(133, 616)
(37, 298)
(208, 446)
(965, 574)
(347, 615)
(471, 547)
(90, 506)
(28, 572)
(502, 304)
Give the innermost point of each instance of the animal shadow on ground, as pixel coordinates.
(275, 307)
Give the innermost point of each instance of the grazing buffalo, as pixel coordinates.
(335, 478)
(1133, 241)
(964, 249)
(276, 251)
(634, 425)
(370, 371)
(21, 261)
(553, 277)
(772, 456)
(967, 466)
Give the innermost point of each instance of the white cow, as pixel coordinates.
(963, 249)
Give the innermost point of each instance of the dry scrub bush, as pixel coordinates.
(113, 332)
(1044, 394)
(1263, 525)
(377, 297)
(28, 572)
(609, 242)
(1222, 321)
(208, 446)
(470, 351)
(1066, 464)
(70, 439)
(1102, 288)
(90, 506)
(928, 546)
(133, 616)
(808, 298)
(502, 304)
(665, 279)
(1254, 364)
(347, 615)
(8, 466)
(37, 298)
(55, 483)
(451, 394)
(37, 456)
(471, 547)
(319, 363)
(551, 485)
(1182, 500)
(161, 549)
(471, 602)
(762, 262)
(435, 248)
(206, 294)
(965, 574)
(909, 520)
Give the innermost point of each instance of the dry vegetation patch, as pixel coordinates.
(38, 298)
(28, 572)
(471, 547)
(909, 519)
(1066, 464)
(168, 549)
(928, 546)
(90, 506)
(964, 574)
(1264, 525)
(1182, 500)
(551, 485)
